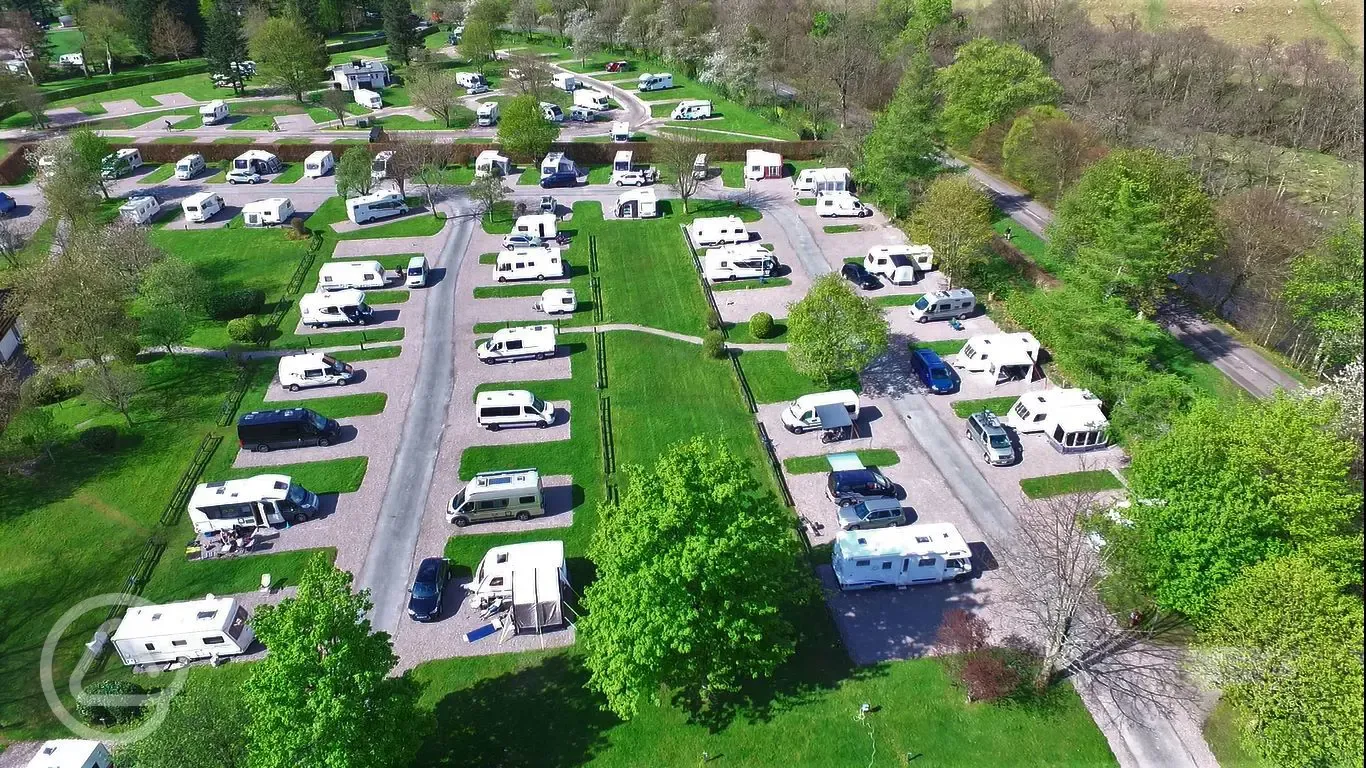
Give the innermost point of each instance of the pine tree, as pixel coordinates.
(225, 44)
(399, 30)
(900, 153)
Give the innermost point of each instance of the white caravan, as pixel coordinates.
(530, 577)
(512, 407)
(720, 230)
(927, 553)
(202, 206)
(802, 416)
(489, 162)
(637, 204)
(592, 99)
(311, 369)
(557, 301)
(526, 342)
(761, 164)
(1072, 419)
(1003, 356)
(214, 112)
(262, 501)
(189, 166)
(71, 753)
(654, 82)
(328, 308)
(379, 167)
(556, 162)
(738, 262)
(487, 114)
(623, 160)
(541, 225)
(194, 629)
(469, 79)
(529, 264)
(368, 98)
(340, 275)
(691, 109)
(941, 305)
(140, 209)
(319, 164)
(840, 204)
(621, 131)
(268, 212)
(565, 81)
(817, 180)
(552, 112)
(256, 161)
(899, 264)
(120, 162)
(380, 205)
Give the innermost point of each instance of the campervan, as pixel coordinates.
(565, 81)
(557, 301)
(72, 59)
(840, 204)
(529, 578)
(817, 180)
(514, 407)
(654, 82)
(324, 309)
(263, 501)
(214, 112)
(700, 169)
(380, 205)
(487, 114)
(469, 79)
(556, 163)
(201, 207)
(529, 264)
(691, 109)
(71, 753)
(194, 629)
(899, 264)
(927, 553)
(121, 162)
(738, 262)
(523, 343)
(1071, 419)
(256, 161)
(721, 230)
(621, 131)
(340, 275)
(368, 98)
(637, 204)
(319, 164)
(379, 167)
(268, 212)
(415, 275)
(623, 161)
(592, 99)
(189, 166)
(506, 495)
(579, 114)
(956, 303)
(313, 370)
(802, 415)
(552, 112)
(264, 431)
(761, 164)
(489, 162)
(542, 225)
(1004, 356)
(140, 209)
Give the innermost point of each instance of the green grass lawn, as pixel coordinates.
(732, 173)
(161, 173)
(807, 465)
(374, 353)
(772, 379)
(941, 348)
(898, 300)
(292, 172)
(749, 285)
(841, 229)
(392, 296)
(252, 123)
(333, 211)
(174, 140)
(499, 221)
(739, 333)
(1071, 482)
(997, 405)
(460, 118)
(64, 41)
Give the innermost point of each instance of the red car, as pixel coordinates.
(618, 66)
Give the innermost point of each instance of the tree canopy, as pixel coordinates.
(899, 154)
(989, 82)
(289, 55)
(954, 219)
(833, 332)
(522, 131)
(1325, 290)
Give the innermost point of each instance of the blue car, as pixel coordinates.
(561, 179)
(7, 203)
(429, 587)
(933, 372)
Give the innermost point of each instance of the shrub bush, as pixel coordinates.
(987, 677)
(714, 322)
(245, 330)
(97, 714)
(48, 387)
(230, 305)
(714, 345)
(761, 325)
(100, 438)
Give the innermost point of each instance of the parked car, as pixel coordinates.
(243, 176)
(632, 178)
(549, 204)
(522, 240)
(850, 486)
(933, 372)
(7, 203)
(872, 513)
(856, 274)
(477, 89)
(985, 429)
(429, 586)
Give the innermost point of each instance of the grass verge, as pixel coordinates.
(807, 465)
(1070, 482)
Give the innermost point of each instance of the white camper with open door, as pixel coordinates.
(262, 501)
(528, 579)
(194, 629)
(489, 162)
(924, 553)
(1003, 356)
(899, 264)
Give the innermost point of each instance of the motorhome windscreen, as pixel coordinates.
(414, 270)
(999, 441)
(297, 495)
(378, 166)
(459, 500)
(538, 405)
(922, 303)
(320, 421)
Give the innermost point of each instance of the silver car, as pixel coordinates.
(985, 429)
(871, 513)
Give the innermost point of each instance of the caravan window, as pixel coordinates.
(887, 565)
(527, 500)
(501, 410)
(925, 562)
(862, 563)
(492, 504)
(149, 646)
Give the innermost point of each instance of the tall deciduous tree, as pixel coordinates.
(70, 188)
(435, 90)
(696, 564)
(523, 132)
(1325, 290)
(1046, 152)
(487, 192)
(114, 385)
(954, 219)
(899, 155)
(105, 29)
(90, 149)
(353, 173)
(225, 45)
(336, 101)
(586, 31)
(833, 332)
(323, 695)
(989, 82)
(477, 41)
(25, 96)
(170, 36)
(400, 30)
(28, 40)
(330, 15)
(289, 55)
(675, 156)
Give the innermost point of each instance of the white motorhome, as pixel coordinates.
(817, 180)
(339, 275)
(487, 114)
(71, 753)
(379, 167)
(555, 163)
(637, 204)
(122, 161)
(368, 98)
(720, 230)
(214, 112)
(802, 416)
(840, 204)
(552, 112)
(1072, 419)
(654, 82)
(529, 264)
(1004, 356)
(140, 209)
(592, 99)
(925, 553)
(523, 343)
(512, 407)
(621, 131)
(311, 369)
(527, 576)
(189, 166)
(489, 162)
(257, 161)
(700, 168)
(324, 309)
(691, 109)
(194, 629)
(415, 275)
(469, 79)
(565, 81)
(379, 205)
(738, 262)
(201, 206)
(557, 301)
(941, 305)
(268, 212)
(624, 160)
(899, 264)
(319, 164)
(491, 496)
(262, 501)
(761, 164)
(72, 59)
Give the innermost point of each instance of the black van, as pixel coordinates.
(291, 428)
(850, 486)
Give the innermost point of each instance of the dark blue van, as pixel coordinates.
(289, 428)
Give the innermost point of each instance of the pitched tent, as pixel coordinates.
(489, 162)
(537, 576)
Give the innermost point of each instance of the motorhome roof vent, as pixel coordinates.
(202, 615)
(922, 539)
(502, 557)
(279, 486)
(156, 616)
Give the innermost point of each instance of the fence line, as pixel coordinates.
(234, 397)
(593, 281)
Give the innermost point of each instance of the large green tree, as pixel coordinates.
(522, 131)
(323, 696)
(955, 219)
(1046, 152)
(989, 82)
(834, 333)
(695, 565)
(353, 172)
(105, 30)
(899, 155)
(1325, 291)
(90, 149)
(477, 41)
(225, 44)
(289, 55)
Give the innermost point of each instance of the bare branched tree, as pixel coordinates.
(674, 157)
(429, 170)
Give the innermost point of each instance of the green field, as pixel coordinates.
(941, 348)
(772, 379)
(1071, 482)
(997, 405)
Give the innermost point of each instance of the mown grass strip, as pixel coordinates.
(747, 285)
(1090, 480)
(809, 465)
(997, 405)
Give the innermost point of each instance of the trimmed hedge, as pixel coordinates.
(230, 305)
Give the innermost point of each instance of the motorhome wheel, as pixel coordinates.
(922, 319)
(540, 277)
(524, 516)
(495, 427)
(262, 448)
(502, 279)
(963, 316)
(962, 577)
(543, 424)
(300, 517)
(322, 442)
(461, 522)
(183, 661)
(293, 387)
